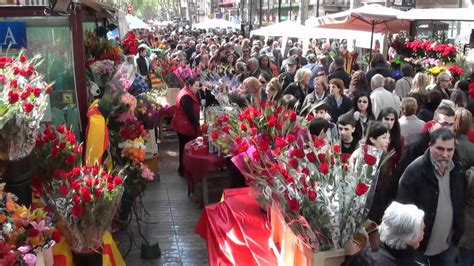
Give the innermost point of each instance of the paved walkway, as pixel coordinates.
(172, 218)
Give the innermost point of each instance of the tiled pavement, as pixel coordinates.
(173, 217)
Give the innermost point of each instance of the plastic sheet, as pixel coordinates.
(237, 231)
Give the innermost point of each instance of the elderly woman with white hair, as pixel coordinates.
(299, 88)
(401, 232)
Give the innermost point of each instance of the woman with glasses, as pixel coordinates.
(245, 55)
(362, 112)
(443, 82)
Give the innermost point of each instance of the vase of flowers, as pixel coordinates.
(85, 200)
(23, 101)
(25, 234)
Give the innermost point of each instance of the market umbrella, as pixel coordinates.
(372, 18)
(444, 14)
(286, 28)
(135, 23)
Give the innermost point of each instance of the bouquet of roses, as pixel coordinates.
(320, 192)
(24, 233)
(85, 200)
(182, 73)
(456, 71)
(23, 101)
(56, 149)
(163, 68)
(130, 44)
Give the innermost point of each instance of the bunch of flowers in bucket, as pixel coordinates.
(85, 200)
(102, 71)
(130, 44)
(56, 150)
(163, 68)
(23, 101)
(321, 193)
(97, 49)
(25, 234)
(148, 107)
(182, 73)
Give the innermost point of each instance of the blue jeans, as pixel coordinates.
(445, 258)
(466, 257)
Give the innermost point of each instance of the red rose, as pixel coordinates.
(318, 143)
(324, 168)
(60, 129)
(77, 210)
(110, 186)
(293, 162)
(280, 142)
(255, 155)
(225, 118)
(293, 205)
(297, 153)
(117, 180)
(279, 126)
(289, 179)
(28, 107)
(290, 138)
(23, 58)
(63, 190)
(25, 95)
(37, 92)
(305, 171)
(253, 131)
(71, 158)
(311, 157)
(337, 148)
(13, 97)
(293, 116)
(87, 197)
(322, 157)
(369, 159)
(71, 138)
(271, 121)
(312, 194)
(76, 199)
(76, 171)
(243, 127)
(77, 148)
(98, 192)
(40, 142)
(13, 83)
(309, 117)
(276, 152)
(361, 189)
(33, 232)
(59, 173)
(76, 185)
(214, 135)
(345, 157)
(54, 151)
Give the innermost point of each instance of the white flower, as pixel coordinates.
(7, 228)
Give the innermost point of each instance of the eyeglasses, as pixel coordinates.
(445, 124)
(362, 101)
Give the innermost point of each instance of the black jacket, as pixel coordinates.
(335, 111)
(383, 256)
(296, 90)
(419, 186)
(342, 75)
(142, 66)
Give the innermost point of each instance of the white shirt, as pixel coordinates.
(382, 98)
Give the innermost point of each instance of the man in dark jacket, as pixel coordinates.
(434, 183)
(340, 73)
(143, 66)
(288, 76)
(443, 117)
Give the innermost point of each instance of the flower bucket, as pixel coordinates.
(329, 258)
(17, 176)
(45, 258)
(171, 94)
(90, 258)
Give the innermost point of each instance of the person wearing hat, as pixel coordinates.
(288, 76)
(315, 69)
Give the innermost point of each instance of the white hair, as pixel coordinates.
(401, 224)
(377, 81)
(302, 73)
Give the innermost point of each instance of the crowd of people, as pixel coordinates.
(424, 129)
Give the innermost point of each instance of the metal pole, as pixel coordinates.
(250, 16)
(317, 8)
(261, 7)
(371, 41)
(279, 10)
(291, 2)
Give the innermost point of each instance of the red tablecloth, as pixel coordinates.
(197, 163)
(236, 230)
(167, 110)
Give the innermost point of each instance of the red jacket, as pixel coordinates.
(181, 123)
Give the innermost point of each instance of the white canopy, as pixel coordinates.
(216, 23)
(286, 28)
(446, 14)
(135, 23)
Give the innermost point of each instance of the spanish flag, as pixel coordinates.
(97, 135)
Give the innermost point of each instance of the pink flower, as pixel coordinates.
(29, 259)
(148, 174)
